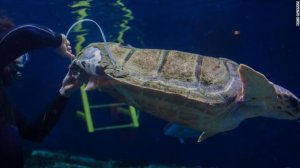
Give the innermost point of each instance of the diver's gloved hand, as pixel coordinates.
(72, 81)
(65, 48)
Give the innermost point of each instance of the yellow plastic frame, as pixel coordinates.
(81, 8)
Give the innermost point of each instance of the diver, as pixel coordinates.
(15, 42)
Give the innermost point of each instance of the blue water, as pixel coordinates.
(268, 42)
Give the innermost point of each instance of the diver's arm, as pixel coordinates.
(21, 39)
(38, 130)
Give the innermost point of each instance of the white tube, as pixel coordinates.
(113, 61)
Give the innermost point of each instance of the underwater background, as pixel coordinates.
(259, 33)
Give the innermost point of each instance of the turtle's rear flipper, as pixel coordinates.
(257, 89)
(206, 135)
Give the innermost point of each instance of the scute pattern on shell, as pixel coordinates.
(204, 79)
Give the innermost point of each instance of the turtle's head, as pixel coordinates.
(287, 105)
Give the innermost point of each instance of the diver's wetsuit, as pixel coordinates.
(14, 43)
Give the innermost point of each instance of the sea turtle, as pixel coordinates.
(208, 94)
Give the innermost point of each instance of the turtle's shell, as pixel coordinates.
(187, 88)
